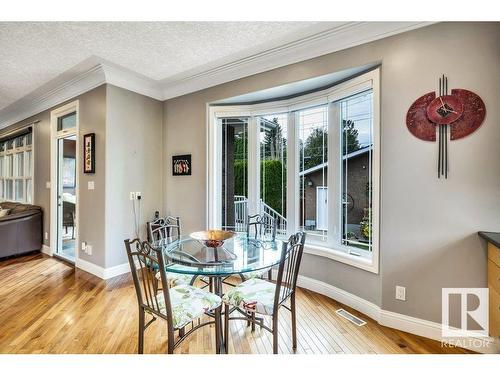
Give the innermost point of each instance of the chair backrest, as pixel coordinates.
(259, 226)
(288, 270)
(145, 261)
(164, 228)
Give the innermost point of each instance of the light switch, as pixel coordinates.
(90, 185)
(47, 184)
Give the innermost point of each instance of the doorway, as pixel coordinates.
(64, 183)
(66, 194)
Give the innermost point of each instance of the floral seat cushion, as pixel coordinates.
(188, 303)
(175, 279)
(253, 295)
(255, 274)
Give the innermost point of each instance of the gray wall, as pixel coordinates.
(428, 226)
(92, 116)
(134, 162)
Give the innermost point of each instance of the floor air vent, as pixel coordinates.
(353, 319)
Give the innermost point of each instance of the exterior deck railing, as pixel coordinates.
(241, 214)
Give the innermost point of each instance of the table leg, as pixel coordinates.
(219, 336)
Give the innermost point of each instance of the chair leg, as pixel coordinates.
(275, 332)
(182, 332)
(226, 328)
(294, 321)
(140, 345)
(253, 322)
(218, 329)
(171, 341)
(270, 274)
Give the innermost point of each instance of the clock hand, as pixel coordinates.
(444, 107)
(442, 104)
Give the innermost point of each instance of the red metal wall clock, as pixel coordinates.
(462, 111)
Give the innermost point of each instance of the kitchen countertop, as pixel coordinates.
(492, 237)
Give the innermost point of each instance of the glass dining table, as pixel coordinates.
(239, 255)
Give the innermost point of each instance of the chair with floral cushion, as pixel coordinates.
(260, 227)
(265, 297)
(178, 306)
(162, 229)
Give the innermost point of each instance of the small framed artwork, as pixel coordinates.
(181, 165)
(89, 153)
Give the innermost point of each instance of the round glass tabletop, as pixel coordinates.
(239, 254)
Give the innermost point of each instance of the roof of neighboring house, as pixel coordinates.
(351, 155)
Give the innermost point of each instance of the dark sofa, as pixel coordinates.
(21, 230)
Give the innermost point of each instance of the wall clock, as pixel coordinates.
(462, 111)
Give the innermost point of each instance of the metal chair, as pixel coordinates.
(178, 306)
(264, 297)
(163, 228)
(260, 226)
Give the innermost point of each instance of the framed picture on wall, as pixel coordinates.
(89, 153)
(181, 165)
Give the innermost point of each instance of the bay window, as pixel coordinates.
(310, 163)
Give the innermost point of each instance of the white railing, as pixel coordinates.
(271, 213)
(241, 214)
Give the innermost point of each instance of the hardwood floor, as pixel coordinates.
(48, 307)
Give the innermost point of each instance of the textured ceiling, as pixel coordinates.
(33, 53)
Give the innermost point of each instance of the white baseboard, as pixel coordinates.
(89, 267)
(366, 307)
(116, 270)
(46, 250)
(416, 326)
(433, 330)
(101, 272)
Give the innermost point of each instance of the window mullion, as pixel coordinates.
(253, 167)
(292, 174)
(334, 174)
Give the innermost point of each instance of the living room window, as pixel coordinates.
(16, 166)
(312, 164)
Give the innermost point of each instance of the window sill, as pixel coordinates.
(370, 265)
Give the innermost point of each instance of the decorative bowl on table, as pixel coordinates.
(213, 237)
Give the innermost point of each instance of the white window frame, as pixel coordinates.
(15, 152)
(331, 248)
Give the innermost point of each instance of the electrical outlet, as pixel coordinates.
(90, 185)
(47, 184)
(132, 196)
(46, 235)
(89, 249)
(138, 195)
(84, 246)
(400, 293)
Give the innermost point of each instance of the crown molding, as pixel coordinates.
(345, 36)
(131, 81)
(50, 95)
(95, 72)
(73, 84)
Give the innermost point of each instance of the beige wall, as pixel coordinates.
(428, 226)
(92, 117)
(134, 160)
